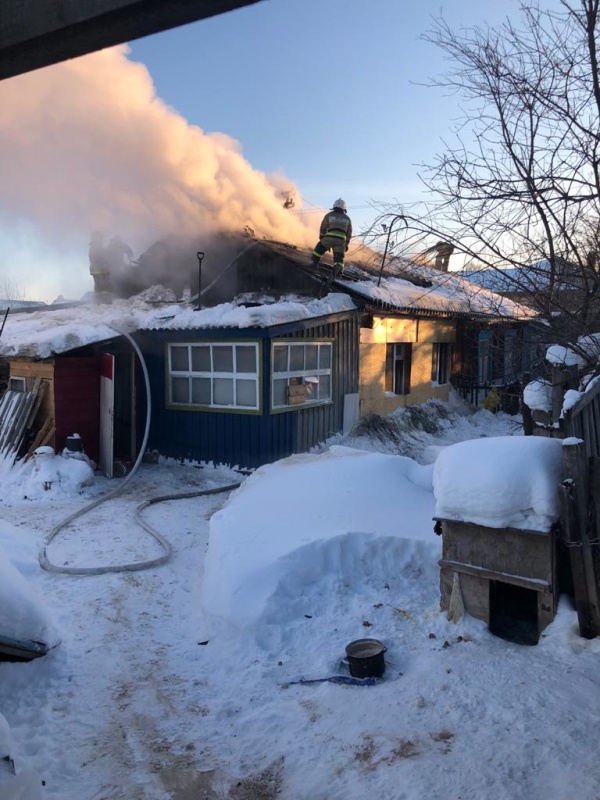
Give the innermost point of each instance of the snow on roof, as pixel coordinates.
(435, 291)
(500, 482)
(45, 333)
(531, 278)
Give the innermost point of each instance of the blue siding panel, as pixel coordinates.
(250, 440)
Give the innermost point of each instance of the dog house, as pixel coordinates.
(507, 577)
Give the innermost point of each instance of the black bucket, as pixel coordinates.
(365, 658)
(74, 444)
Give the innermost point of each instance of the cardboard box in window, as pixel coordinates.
(297, 391)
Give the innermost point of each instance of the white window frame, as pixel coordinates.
(213, 375)
(307, 376)
(17, 384)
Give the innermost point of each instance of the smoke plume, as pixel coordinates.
(87, 145)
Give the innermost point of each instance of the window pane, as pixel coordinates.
(280, 392)
(201, 358)
(324, 356)
(246, 393)
(325, 387)
(201, 391)
(180, 390)
(296, 357)
(435, 362)
(179, 359)
(245, 358)
(223, 359)
(280, 354)
(312, 388)
(312, 356)
(223, 391)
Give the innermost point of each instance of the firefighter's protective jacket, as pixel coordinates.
(337, 224)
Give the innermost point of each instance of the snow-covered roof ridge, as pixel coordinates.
(419, 288)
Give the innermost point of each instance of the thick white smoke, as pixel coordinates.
(87, 145)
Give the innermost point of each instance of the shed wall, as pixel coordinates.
(249, 440)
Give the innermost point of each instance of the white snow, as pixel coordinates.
(253, 539)
(561, 356)
(44, 333)
(500, 482)
(586, 349)
(537, 395)
(140, 700)
(23, 614)
(449, 292)
(570, 398)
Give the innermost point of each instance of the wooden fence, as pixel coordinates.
(580, 506)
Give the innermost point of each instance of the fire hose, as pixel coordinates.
(43, 559)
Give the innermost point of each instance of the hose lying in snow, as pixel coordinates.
(43, 559)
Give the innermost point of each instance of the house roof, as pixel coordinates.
(409, 288)
(412, 288)
(17, 305)
(526, 279)
(43, 334)
(404, 288)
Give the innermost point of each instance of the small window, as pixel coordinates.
(301, 373)
(17, 384)
(441, 362)
(397, 368)
(214, 375)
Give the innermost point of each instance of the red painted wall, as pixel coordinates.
(77, 401)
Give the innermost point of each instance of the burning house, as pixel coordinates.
(251, 366)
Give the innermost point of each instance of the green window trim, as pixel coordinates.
(302, 373)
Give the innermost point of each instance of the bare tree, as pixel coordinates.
(519, 186)
(10, 290)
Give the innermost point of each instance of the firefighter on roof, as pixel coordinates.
(335, 234)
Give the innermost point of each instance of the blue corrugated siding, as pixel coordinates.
(249, 440)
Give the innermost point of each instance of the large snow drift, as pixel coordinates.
(308, 516)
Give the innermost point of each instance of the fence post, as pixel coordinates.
(575, 518)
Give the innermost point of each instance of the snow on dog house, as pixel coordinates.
(497, 508)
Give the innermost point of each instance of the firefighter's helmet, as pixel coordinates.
(341, 204)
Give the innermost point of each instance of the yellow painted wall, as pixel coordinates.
(373, 343)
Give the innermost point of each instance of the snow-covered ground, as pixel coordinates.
(170, 686)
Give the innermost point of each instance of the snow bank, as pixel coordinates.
(500, 482)
(280, 511)
(47, 476)
(23, 614)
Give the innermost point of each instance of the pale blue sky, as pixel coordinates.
(324, 90)
(328, 92)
